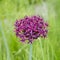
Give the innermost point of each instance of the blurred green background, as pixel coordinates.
(42, 49)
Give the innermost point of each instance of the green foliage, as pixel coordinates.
(43, 49)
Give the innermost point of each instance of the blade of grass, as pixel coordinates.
(5, 41)
(42, 52)
(52, 50)
(20, 50)
(48, 58)
(1, 50)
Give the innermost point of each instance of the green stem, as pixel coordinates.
(30, 53)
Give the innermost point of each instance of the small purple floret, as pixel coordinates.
(30, 28)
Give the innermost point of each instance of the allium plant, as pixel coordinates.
(30, 28)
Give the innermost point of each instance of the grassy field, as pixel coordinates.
(41, 49)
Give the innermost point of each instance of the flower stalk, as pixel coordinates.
(30, 53)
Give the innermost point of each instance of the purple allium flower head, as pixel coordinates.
(30, 28)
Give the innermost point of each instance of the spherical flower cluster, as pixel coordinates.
(30, 28)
